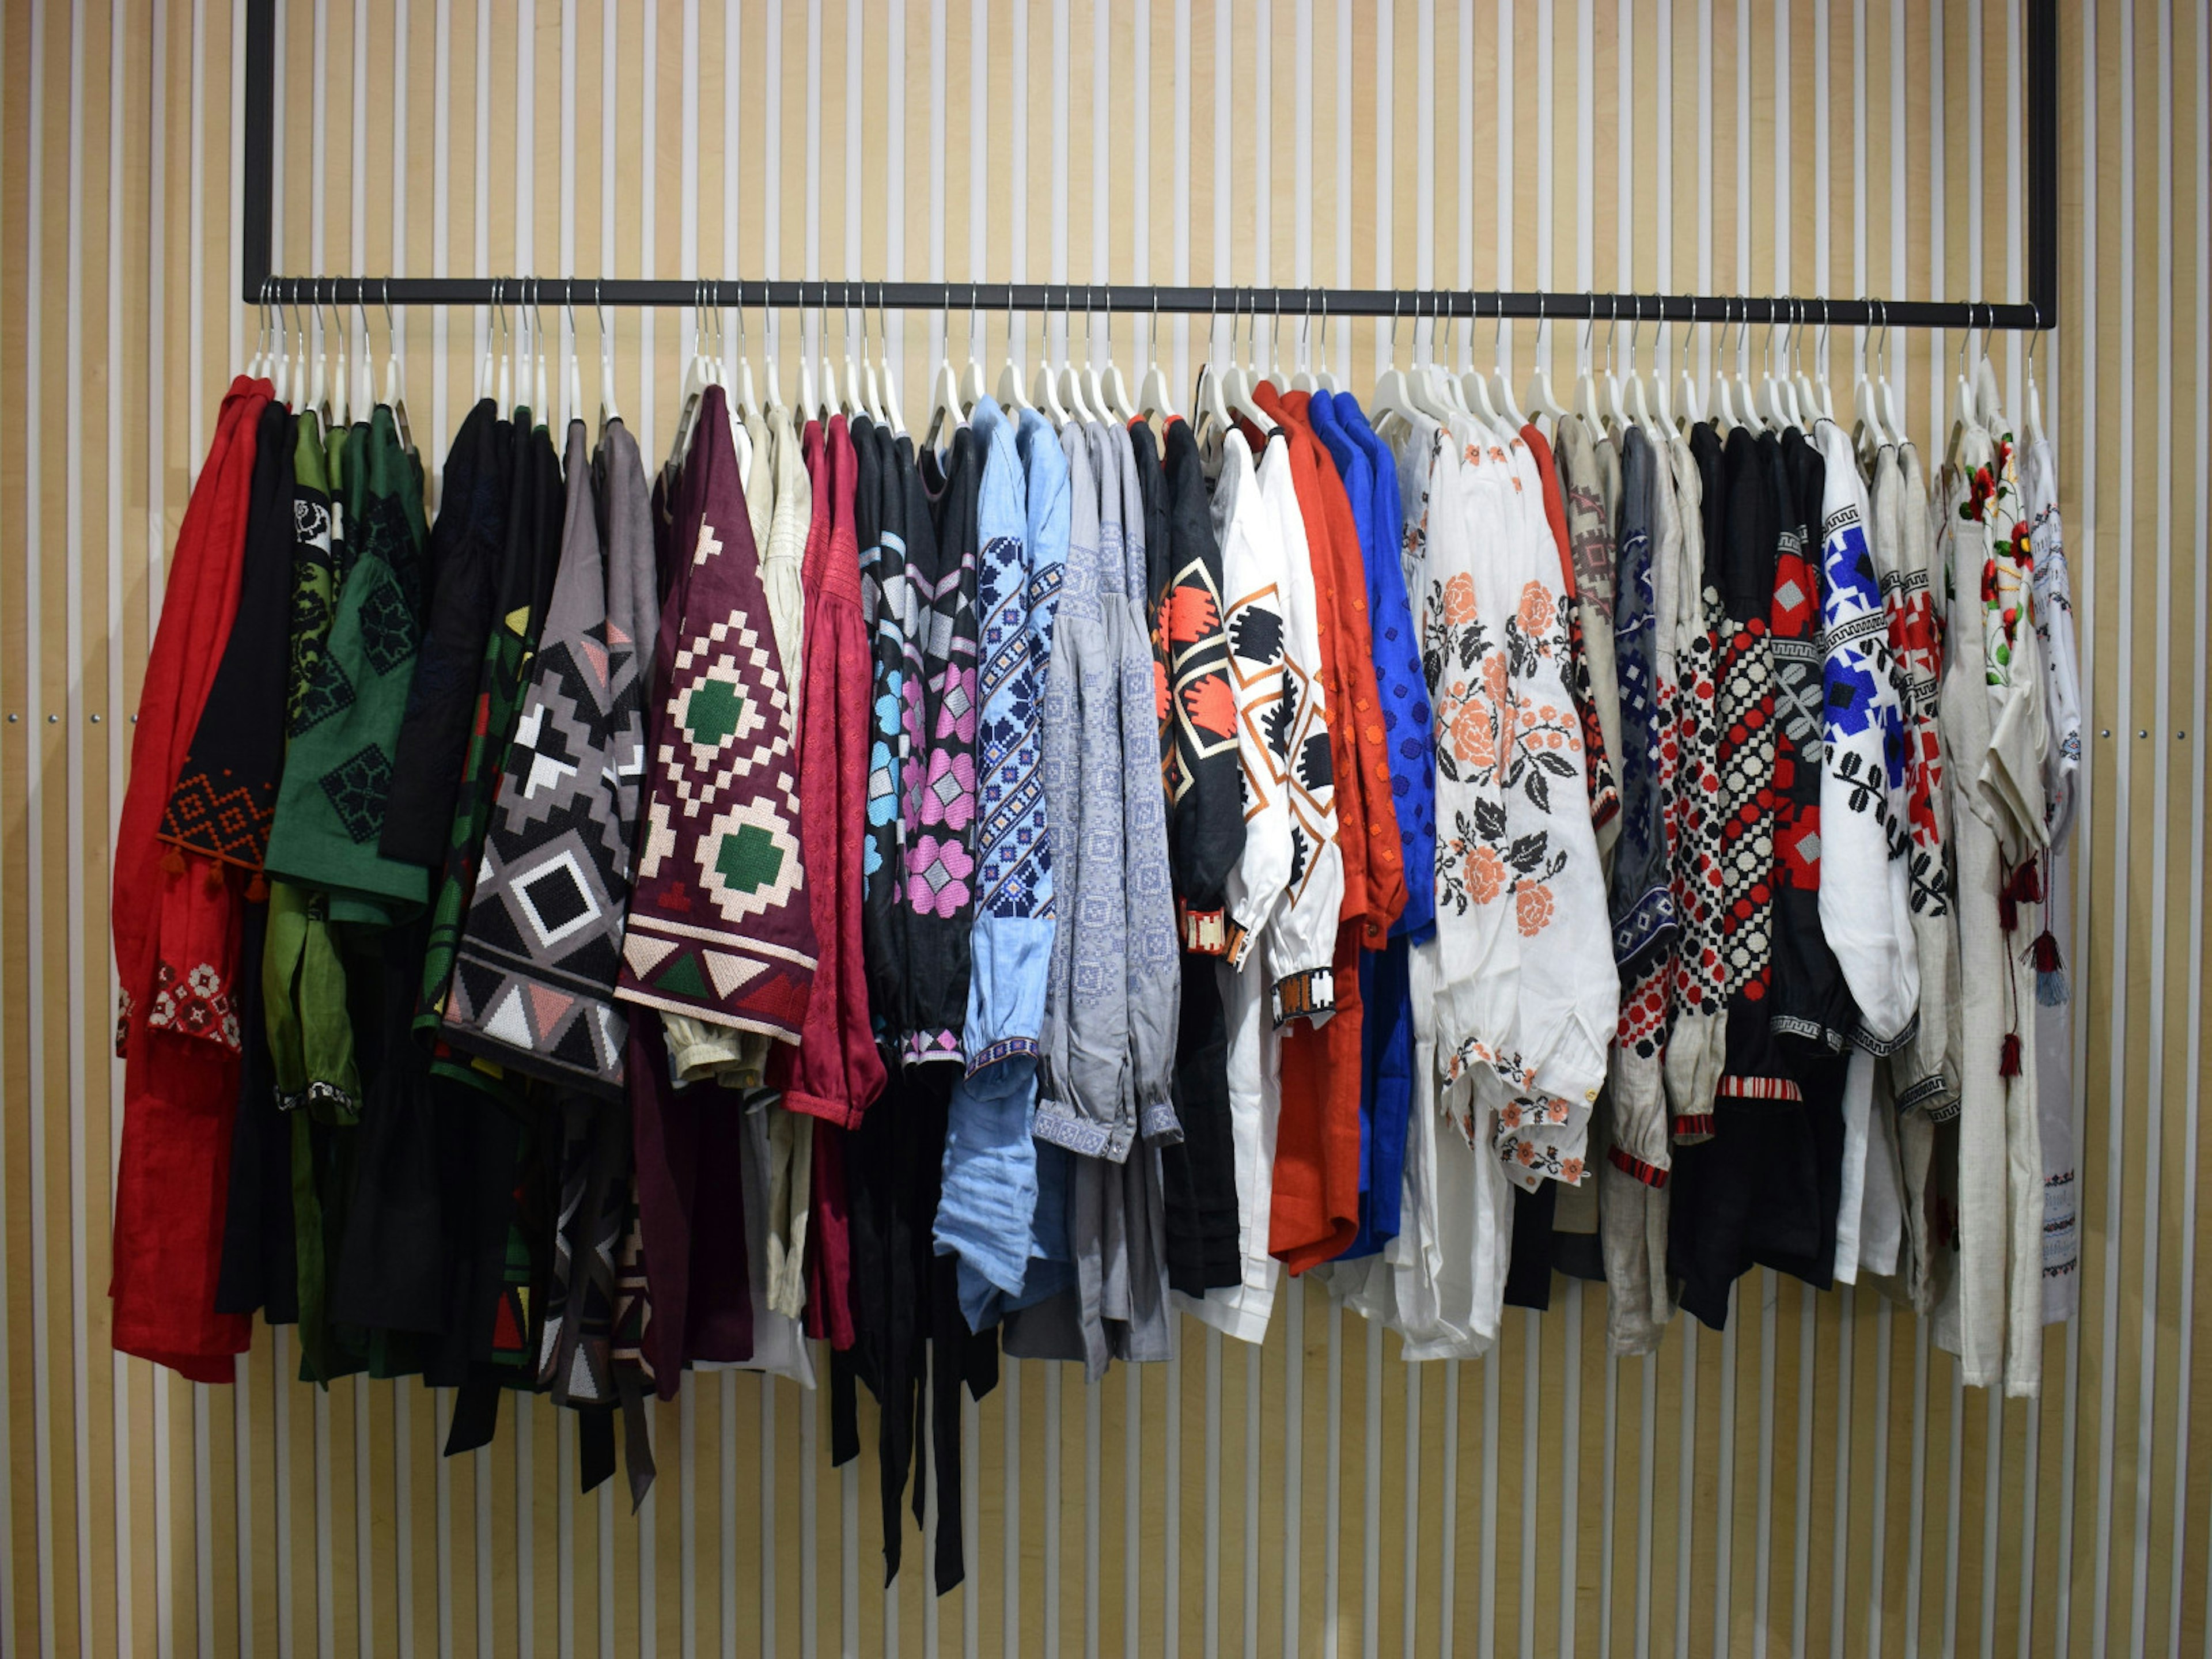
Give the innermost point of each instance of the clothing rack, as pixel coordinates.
(262, 283)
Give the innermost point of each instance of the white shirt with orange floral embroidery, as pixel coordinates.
(1569, 994)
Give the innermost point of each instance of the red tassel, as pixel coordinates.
(2028, 883)
(211, 880)
(2009, 1065)
(173, 862)
(2047, 952)
(257, 890)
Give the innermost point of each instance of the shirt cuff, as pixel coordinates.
(1307, 995)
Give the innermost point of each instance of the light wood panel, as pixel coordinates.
(1814, 1477)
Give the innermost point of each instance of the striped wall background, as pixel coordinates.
(1813, 1480)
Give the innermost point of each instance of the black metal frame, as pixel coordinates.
(2039, 310)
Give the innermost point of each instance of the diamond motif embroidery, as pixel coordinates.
(358, 788)
(328, 693)
(387, 627)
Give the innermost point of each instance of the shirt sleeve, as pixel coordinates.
(1864, 906)
(1154, 962)
(1304, 943)
(1081, 1106)
(1009, 942)
(1254, 581)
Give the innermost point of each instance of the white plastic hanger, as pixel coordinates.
(253, 364)
(1813, 394)
(341, 387)
(870, 393)
(1475, 388)
(1111, 386)
(1962, 391)
(1662, 407)
(1243, 379)
(523, 397)
(1989, 396)
(1152, 398)
(1541, 399)
(571, 374)
(851, 403)
(943, 384)
(318, 378)
(2034, 395)
(744, 401)
(607, 411)
(1723, 399)
(1747, 402)
(1694, 410)
(772, 330)
(1426, 382)
(1080, 386)
(1393, 395)
(807, 404)
(543, 406)
(1885, 395)
(1210, 419)
(890, 384)
(1010, 377)
(1045, 390)
(698, 374)
(1322, 378)
(1866, 420)
(971, 377)
(1586, 405)
(1071, 384)
(1639, 396)
(1302, 378)
(1616, 411)
(1501, 388)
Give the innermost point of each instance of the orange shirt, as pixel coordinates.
(1314, 1212)
(1365, 762)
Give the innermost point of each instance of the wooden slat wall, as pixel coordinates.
(1814, 1480)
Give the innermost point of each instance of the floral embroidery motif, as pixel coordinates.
(194, 1005)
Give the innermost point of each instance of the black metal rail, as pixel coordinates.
(2038, 310)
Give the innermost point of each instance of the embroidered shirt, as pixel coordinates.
(1865, 905)
(720, 925)
(534, 980)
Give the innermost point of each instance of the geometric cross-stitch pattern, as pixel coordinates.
(357, 788)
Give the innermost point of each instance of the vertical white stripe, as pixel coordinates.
(1884, 1343)
(1333, 1479)
(1531, 1394)
(2160, 907)
(1261, 189)
(1570, 1410)
(1252, 1424)
(2121, 722)
(1992, 1472)
(1343, 276)
(1916, 1493)
(1371, 1569)
(1502, 148)
(1052, 1462)
(1010, 1569)
(1840, 1522)
(1807, 1321)
(1182, 229)
(34, 885)
(1448, 1543)
(74, 719)
(2200, 710)
(1132, 1488)
(1293, 1292)
(1302, 149)
(1951, 1490)
(1609, 1452)
(1685, 1489)
(1646, 1469)
(1486, 1631)
(1724, 1485)
(1415, 1447)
